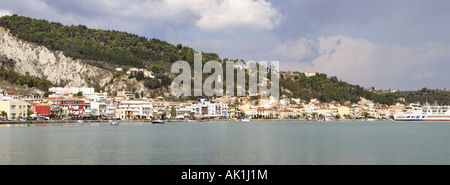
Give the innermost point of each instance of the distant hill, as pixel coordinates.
(425, 95)
(328, 89)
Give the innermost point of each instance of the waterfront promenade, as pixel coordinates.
(169, 121)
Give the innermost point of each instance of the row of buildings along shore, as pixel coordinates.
(69, 103)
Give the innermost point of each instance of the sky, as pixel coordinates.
(387, 44)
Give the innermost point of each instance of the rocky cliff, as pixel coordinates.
(38, 61)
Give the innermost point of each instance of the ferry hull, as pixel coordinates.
(424, 113)
(423, 118)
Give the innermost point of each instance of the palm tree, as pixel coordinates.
(314, 115)
(164, 115)
(192, 114)
(365, 115)
(304, 115)
(242, 114)
(347, 116)
(321, 116)
(3, 114)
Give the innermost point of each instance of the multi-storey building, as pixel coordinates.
(14, 109)
(98, 109)
(208, 109)
(75, 108)
(110, 111)
(135, 108)
(266, 113)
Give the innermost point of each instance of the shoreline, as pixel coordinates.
(170, 121)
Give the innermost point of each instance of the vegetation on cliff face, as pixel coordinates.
(103, 48)
(29, 81)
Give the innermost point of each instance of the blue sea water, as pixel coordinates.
(228, 143)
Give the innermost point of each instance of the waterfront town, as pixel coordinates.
(84, 103)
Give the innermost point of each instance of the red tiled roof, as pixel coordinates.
(287, 111)
(266, 109)
(55, 98)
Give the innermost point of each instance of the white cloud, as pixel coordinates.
(4, 12)
(362, 62)
(302, 49)
(230, 14)
(139, 16)
(211, 15)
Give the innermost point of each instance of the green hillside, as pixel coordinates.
(328, 89)
(425, 95)
(110, 49)
(103, 48)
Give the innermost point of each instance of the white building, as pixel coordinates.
(250, 113)
(110, 111)
(71, 90)
(126, 94)
(98, 108)
(101, 96)
(209, 109)
(309, 74)
(134, 71)
(135, 108)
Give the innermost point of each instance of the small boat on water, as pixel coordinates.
(80, 121)
(245, 120)
(113, 122)
(158, 121)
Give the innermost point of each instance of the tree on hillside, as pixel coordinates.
(139, 76)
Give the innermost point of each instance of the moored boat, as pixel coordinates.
(158, 121)
(113, 122)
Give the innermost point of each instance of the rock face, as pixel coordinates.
(38, 61)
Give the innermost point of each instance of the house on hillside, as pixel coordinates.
(133, 71)
(309, 74)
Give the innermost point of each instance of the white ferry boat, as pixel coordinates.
(424, 113)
